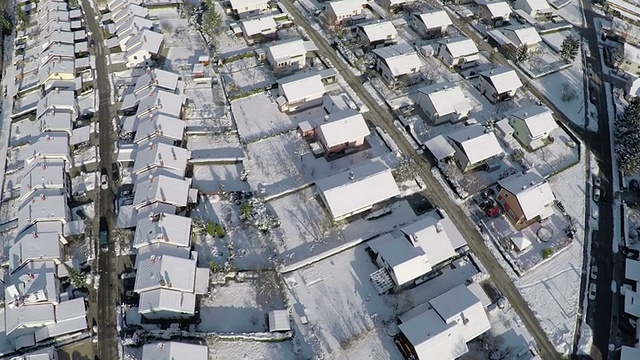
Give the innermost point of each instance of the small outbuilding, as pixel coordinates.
(279, 321)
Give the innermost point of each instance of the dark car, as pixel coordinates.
(104, 234)
(115, 172)
(92, 43)
(81, 214)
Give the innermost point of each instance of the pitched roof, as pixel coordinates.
(162, 126)
(163, 102)
(460, 46)
(434, 18)
(379, 31)
(345, 7)
(167, 300)
(160, 155)
(437, 236)
(477, 144)
(239, 5)
(166, 228)
(172, 350)
(532, 191)
(503, 79)
(31, 248)
(439, 147)
(162, 188)
(298, 88)
(343, 127)
(166, 272)
(524, 35)
(408, 262)
(401, 58)
(42, 174)
(255, 26)
(157, 77)
(286, 49)
(538, 119)
(432, 338)
(41, 207)
(496, 8)
(351, 190)
(447, 98)
(48, 145)
(537, 5)
(459, 305)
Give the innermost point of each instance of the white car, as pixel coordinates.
(104, 182)
(592, 292)
(596, 194)
(594, 272)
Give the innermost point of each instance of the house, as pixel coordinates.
(160, 155)
(628, 10)
(300, 92)
(431, 24)
(499, 84)
(174, 350)
(43, 174)
(440, 148)
(48, 146)
(534, 8)
(474, 146)
(342, 130)
(629, 353)
(160, 187)
(161, 102)
(279, 321)
(378, 34)
(58, 99)
(349, 192)
(532, 126)
(167, 229)
(526, 198)
(259, 29)
(128, 30)
(522, 35)
(394, 6)
(426, 244)
(246, 8)
(143, 48)
(289, 55)
(159, 126)
(49, 353)
(442, 332)
(35, 247)
(43, 206)
(494, 12)
(168, 286)
(158, 78)
(444, 103)
(458, 51)
(337, 12)
(398, 63)
(58, 74)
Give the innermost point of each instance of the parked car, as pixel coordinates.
(595, 213)
(104, 182)
(592, 291)
(597, 182)
(81, 214)
(596, 194)
(594, 272)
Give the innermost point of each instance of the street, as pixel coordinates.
(108, 291)
(603, 322)
(383, 118)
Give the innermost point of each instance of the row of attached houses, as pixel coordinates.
(52, 69)
(168, 278)
(133, 34)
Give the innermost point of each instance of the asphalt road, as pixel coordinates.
(108, 290)
(602, 317)
(383, 118)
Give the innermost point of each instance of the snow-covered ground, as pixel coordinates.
(244, 350)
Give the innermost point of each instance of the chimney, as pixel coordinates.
(161, 163)
(35, 235)
(153, 258)
(150, 146)
(151, 178)
(57, 90)
(352, 176)
(43, 197)
(532, 183)
(439, 227)
(326, 118)
(44, 166)
(524, 187)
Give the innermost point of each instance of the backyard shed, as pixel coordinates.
(521, 242)
(279, 321)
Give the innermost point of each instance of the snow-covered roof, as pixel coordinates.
(432, 338)
(173, 350)
(161, 188)
(439, 147)
(49, 353)
(459, 305)
(57, 99)
(629, 353)
(632, 269)
(345, 7)
(166, 271)
(434, 18)
(460, 46)
(497, 9)
(436, 236)
(166, 228)
(42, 206)
(286, 49)
(632, 303)
(522, 35)
(42, 174)
(162, 102)
(132, 25)
(160, 155)
(259, 25)
(535, 5)
(407, 262)
(503, 79)
(401, 59)
(50, 145)
(161, 125)
(279, 320)
(32, 248)
(447, 98)
(382, 30)
(161, 78)
(239, 5)
(538, 119)
(147, 40)
(358, 188)
(300, 88)
(80, 135)
(532, 191)
(342, 127)
(477, 144)
(167, 300)
(161, 249)
(71, 317)
(520, 241)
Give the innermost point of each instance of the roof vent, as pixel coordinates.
(352, 176)
(153, 259)
(326, 118)
(439, 227)
(151, 178)
(526, 114)
(43, 197)
(532, 182)
(524, 187)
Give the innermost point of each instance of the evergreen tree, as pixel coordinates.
(626, 135)
(570, 48)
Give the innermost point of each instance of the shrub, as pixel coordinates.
(211, 229)
(546, 253)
